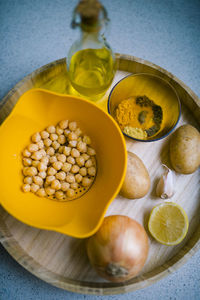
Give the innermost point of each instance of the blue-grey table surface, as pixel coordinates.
(36, 32)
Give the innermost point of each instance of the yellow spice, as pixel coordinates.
(137, 133)
(127, 113)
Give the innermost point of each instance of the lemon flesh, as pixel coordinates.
(168, 223)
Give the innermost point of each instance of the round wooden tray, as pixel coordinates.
(61, 260)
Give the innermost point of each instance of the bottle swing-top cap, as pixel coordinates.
(91, 15)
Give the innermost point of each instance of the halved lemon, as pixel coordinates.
(168, 223)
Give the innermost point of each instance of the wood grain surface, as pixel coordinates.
(61, 260)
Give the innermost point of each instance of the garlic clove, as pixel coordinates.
(165, 186)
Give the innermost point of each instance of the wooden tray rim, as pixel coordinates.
(16, 251)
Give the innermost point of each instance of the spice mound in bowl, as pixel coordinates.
(145, 106)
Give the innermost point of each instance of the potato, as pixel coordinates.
(137, 181)
(185, 149)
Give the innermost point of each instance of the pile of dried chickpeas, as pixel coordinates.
(59, 162)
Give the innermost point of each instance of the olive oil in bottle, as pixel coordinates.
(91, 71)
(90, 61)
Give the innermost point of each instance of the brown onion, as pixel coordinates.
(119, 249)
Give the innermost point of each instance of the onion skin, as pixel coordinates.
(119, 249)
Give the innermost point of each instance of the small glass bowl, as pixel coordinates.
(155, 88)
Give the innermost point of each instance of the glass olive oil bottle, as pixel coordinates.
(90, 61)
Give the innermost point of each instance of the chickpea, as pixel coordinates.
(80, 161)
(61, 157)
(33, 147)
(72, 143)
(50, 151)
(34, 187)
(70, 178)
(61, 175)
(82, 147)
(42, 167)
(72, 126)
(44, 134)
(71, 160)
(49, 191)
(52, 159)
(59, 130)
(91, 151)
(46, 184)
(65, 186)
(55, 145)
(35, 163)
(53, 136)
(31, 171)
(74, 186)
(78, 178)
(78, 132)
(66, 132)
(70, 193)
(87, 140)
(49, 179)
(55, 184)
(27, 161)
(47, 142)
(36, 137)
(67, 150)
(75, 169)
(62, 139)
(83, 171)
(38, 180)
(51, 129)
(93, 160)
(66, 167)
(26, 153)
(51, 171)
(85, 156)
(72, 136)
(36, 155)
(86, 181)
(59, 195)
(88, 163)
(63, 124)
(43, 152)
(57, 165)
(25, 170)
(61, 148)
(28, 179)
(26, 188)
(40, 144)
(91, 171)
(41, 192)
(45, 160)
(42, 174)
(75, 153)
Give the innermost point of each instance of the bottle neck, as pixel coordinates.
(90, 36)
(91, 39)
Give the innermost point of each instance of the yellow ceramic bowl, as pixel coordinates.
(156, 89)
(35, 110)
